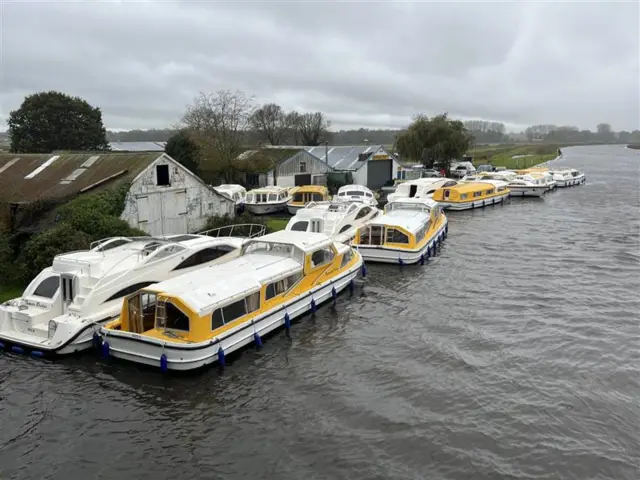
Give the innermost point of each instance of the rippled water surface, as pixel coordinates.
(514, 354)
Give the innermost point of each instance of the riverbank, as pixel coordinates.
(514, 156)
(634, 146)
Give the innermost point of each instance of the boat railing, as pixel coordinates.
(249, 230)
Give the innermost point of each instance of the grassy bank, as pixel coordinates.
(502, 155)
(635, 146)
(276, 224)
(9, 292)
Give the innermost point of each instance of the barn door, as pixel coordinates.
(174, 209)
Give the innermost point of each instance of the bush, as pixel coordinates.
(39, 251)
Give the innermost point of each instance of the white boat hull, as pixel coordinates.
(528, 191)
(475, 204)
(293, 209)
(77, 337)
(136, 348)
(265, 208)
(382, 254)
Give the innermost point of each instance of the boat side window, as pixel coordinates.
(365, 236)
(249, 197)
(363, 213)
(477, 194)
(300, 226)
(346, 258)
(128, 290)
(376, 234)
(396, 236)
(446, 193)
(342, 194)
(316, 197)
(281, 286)
(489, 192)
(234, 310)
(216, 319)
(48, 287)
(321, 257)
(113, 244)
(273, 197)
(297, 197)
(345, 228)
(203, 256)
(175, 318)
(463, 196)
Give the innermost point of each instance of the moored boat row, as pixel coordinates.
(181, 302)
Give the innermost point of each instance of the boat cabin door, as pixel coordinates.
(413, 189)
(67, 283)
(316, 225)
(377, 232)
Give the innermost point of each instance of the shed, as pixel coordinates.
(293, 166)
(164, 197)
(372, 165)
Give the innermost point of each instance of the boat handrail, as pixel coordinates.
(255, 230)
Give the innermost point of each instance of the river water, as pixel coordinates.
(514, 354)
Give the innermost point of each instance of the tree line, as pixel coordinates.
(570, 134)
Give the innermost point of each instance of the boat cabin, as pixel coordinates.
(468, 192)
(404, 225)
(309, 193)
(267, 195)
(197, 307)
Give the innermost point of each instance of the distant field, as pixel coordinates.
(502, 155)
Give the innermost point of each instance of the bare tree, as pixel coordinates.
(312, 127)
(271, 123)
(293, 130)
(219, 122)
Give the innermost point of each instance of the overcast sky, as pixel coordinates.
(363, 64)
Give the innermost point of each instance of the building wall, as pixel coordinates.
(181, 207)
(360, 175)
(288, 169)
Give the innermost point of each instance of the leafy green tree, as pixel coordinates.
(430, 140)
(49, 121)
(182, 148)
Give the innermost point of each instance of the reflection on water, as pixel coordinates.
(513, 354)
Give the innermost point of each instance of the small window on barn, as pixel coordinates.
(303, 167)
(162, 175)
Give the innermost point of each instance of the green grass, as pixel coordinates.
(8, 292)
(277, 224)
(502, 155)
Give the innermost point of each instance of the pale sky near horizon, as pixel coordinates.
(365, 64)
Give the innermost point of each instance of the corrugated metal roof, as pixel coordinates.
(30, 177)
(343, 157)
(137, 146)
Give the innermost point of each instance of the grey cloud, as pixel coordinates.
(364, 64)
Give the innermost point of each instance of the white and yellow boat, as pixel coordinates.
(196, 319)
(305, 195)
(408, 232)
(464, 196)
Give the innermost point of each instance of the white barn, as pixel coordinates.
(166, 198)
(163, 198)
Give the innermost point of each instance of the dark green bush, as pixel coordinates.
(39, 251)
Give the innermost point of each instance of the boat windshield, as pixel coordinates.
(272, 248)
(406, 206)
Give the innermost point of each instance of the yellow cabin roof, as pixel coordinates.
(524, 171)
(311, 189)
(470, 187)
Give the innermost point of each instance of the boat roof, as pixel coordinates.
(470, 186)
(210, 286)
(269, 189)
(410, 220)
(305, 241)
(358, 188)
(128, 255)
(311, 188)
(230, 187)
